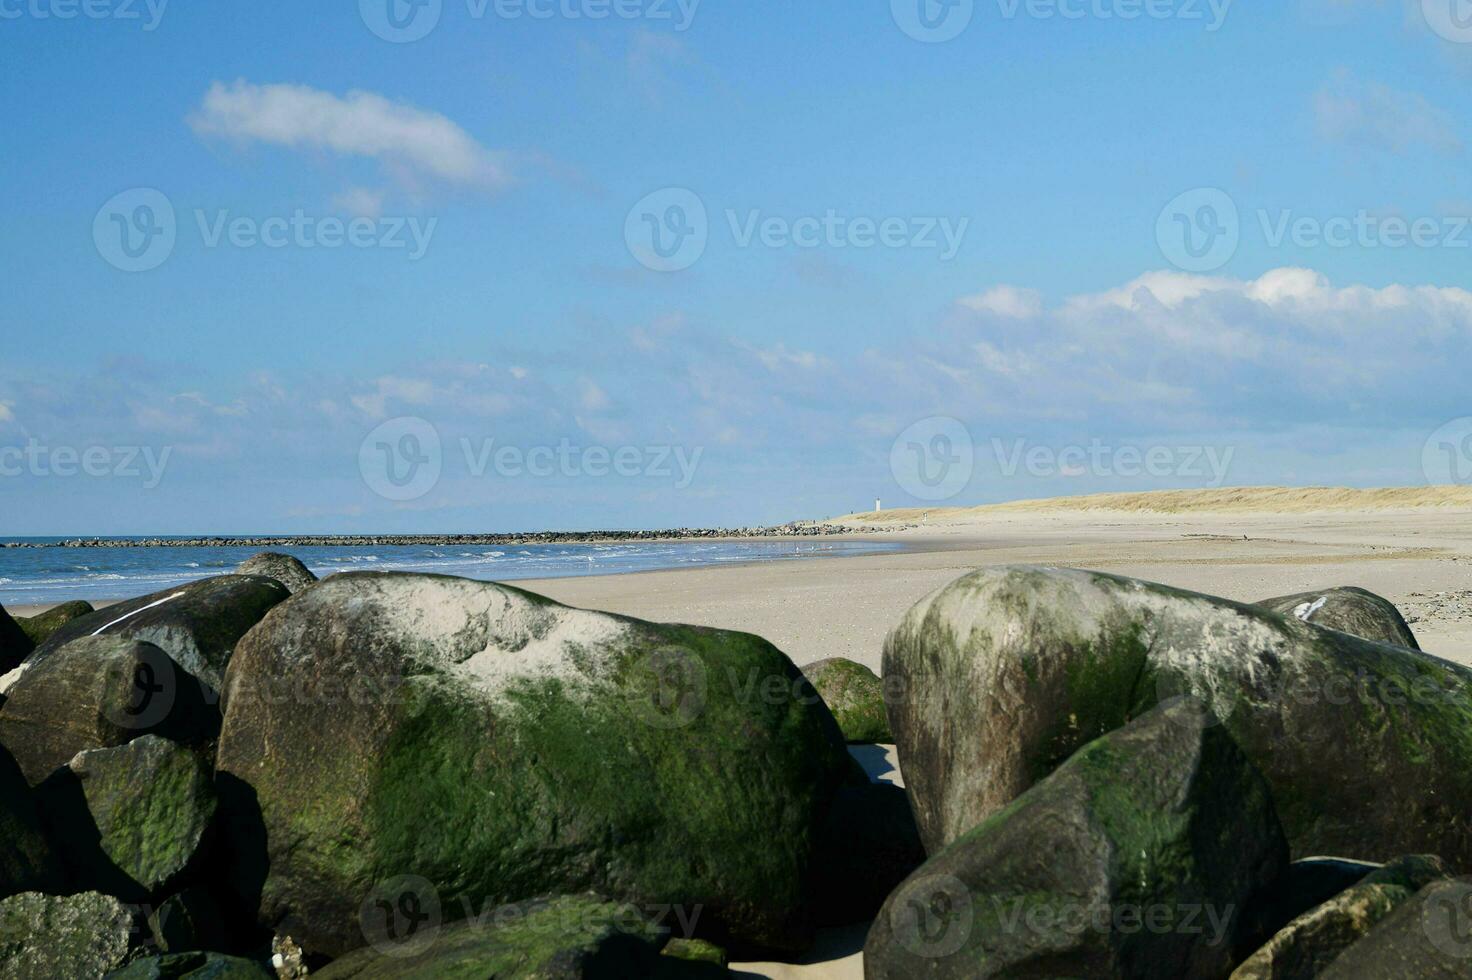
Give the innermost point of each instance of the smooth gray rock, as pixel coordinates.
(98, 692)
(196, 624)
(285, 569)
(1348, 610)
(1004, 673)
(1135, 859)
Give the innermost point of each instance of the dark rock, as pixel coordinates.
(27, 862)
(855, 695)
(42, 627)
(1134, 859)
(868, 846)
(42, 936)
(1429, 937)
(696, 951)
(134, 818)
(15, 646)
(556, 939)
(501, 746)
(196, 624)
(285, 569)
(1308, 944)
(1368, 747)
(193, 966)
(98, 692)
(190, 920)
(1306, 885)
(1348, 610)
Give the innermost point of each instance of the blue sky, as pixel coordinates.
(791, 361)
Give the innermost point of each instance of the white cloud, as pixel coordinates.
(1374, 115)
(361, 202)
(1005, 301)
(413, 143)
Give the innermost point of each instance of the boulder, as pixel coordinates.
(855, 695)
(1134, 859)
(196, 624)
(1429, 937)
(134, 818)
(42, 627)
(868, 846)
(502, 747)
(566, 938)
(1308, 944)
(15, 646)
(42, 936)
(193, 966)
(1348, 610)
(95, 693)
(27, 862)
(283, 568)
(1005, 672)
(696, 951)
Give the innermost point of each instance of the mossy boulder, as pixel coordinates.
(696, 951)
(197, 624)
(566, 938)
(1308, 944)
(1006, 672)
(285, 569)
(1428, 937)
(15, 645)
(42, 626)
(98, 692)
(193, 966)
(27, 862)
(501, 747)
(855, 695)
(44, 936)
(1134, 859)
(134, 818)
(1348, 610)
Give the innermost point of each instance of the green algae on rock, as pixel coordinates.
(501, 747)
(1134, 859)
(43, 626)
(1005, 672)
(855, 695)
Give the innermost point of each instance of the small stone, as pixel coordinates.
(855, 695)
(42, 936)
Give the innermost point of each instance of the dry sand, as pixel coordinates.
(1413, 546)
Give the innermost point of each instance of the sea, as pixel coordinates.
(51, 574)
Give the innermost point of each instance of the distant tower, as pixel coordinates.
(878, 505)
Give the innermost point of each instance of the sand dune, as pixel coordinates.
(1223, 500)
